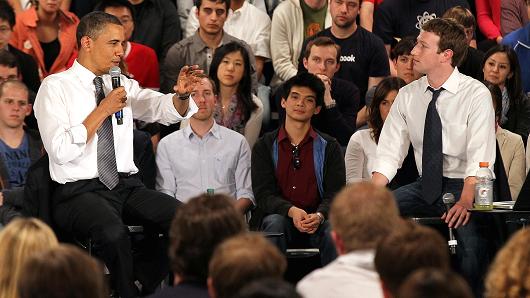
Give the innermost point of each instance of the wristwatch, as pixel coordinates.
(183, 96)
(332, 104)
(319, 214)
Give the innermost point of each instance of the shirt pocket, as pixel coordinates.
(454, 140)
(224, 170)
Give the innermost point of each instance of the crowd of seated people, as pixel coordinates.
(301, 124)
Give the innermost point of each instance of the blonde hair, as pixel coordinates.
(20, 239)
(362, 214)
(509, 275)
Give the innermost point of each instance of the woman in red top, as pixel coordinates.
(48, 34)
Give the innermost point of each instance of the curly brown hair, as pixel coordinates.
(509, 275)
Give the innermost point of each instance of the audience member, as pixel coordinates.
(465, 115)
(296, 171)
(400, 18)
(497, 18)
(246, 22)
(501, 67)
(361, 216)
(434, 283)
(47, 33)
(19, 147)
(407, 249)
(508, 275)
(341, 98)
(236, 107)
(268, 288)
(511, 146)
(97, 186)
(199, 48)
(470, 66)
(403, 60)
(198, 227)
(157, 26)
(362, 147)
(519, 41)
(363, 60)
(294, 21)
(239, 261)
(141, 61)
(216, 157)
(18, 241)
(366, 13)
(26, 64)
(64, 271)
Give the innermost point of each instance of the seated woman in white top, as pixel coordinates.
(236, 107)
(510, 145)
(361, 150)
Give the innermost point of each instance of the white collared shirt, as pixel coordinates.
(65, 100)
(468, 127)
(349, 276)
(247, 23)
(188, 165)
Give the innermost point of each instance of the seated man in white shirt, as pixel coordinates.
(361, 215)
(450, 135)
(217, 158)
(91, 153)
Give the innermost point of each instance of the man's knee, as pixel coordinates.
(112, 235)
(274, 223)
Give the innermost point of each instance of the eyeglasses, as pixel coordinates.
(296, 158)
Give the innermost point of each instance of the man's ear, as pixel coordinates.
(305, 62)
(86, 43)
(317, 110)
(29, 107)
(339, 243)
(282, 102)
(448, 55)
(211, 290)
(197, 12)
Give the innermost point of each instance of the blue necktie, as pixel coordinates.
(432, 158)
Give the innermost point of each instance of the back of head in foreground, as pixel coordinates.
(434, 283)
(406, 249)
(198, 227)
(64, 271)
(19, 240)
(509, 275)
(362, 214)
(268, 288)
(241, 260)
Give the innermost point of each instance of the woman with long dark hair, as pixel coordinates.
(501, 67)
(362, 147)
(236, 107)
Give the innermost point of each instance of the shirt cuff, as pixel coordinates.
(192, 109)
(385, 169)
(78, 134)
(246, 195)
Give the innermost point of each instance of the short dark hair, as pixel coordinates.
(374, 113)
(305, 79)
(403, 47)
(92, 25)
(452, 37)
(103, 4)
(268, 288)
(322, 41)
(461, 15)
(7, 13)
(197, 228)
(198, 3)
(434, 283)
(496, 96)
(62, 272)
(8, 59)
(406, 249)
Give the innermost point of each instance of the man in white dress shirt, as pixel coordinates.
(91, 156)
(217, 158)
(361, 215)
(450, 135)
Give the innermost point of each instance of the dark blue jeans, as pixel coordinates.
(472, 249)
(321, 239)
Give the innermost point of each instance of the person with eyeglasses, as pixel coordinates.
(296, 171)
(19, 147)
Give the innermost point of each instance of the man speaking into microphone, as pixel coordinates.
(91, 156)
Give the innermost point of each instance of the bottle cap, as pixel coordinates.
(210, 191)
(483, 164)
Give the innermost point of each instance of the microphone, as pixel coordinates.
(115, 73)
(449, 201)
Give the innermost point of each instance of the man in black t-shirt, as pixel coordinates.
(400, 18)
(363, 59)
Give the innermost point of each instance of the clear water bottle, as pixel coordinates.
(484, 187)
